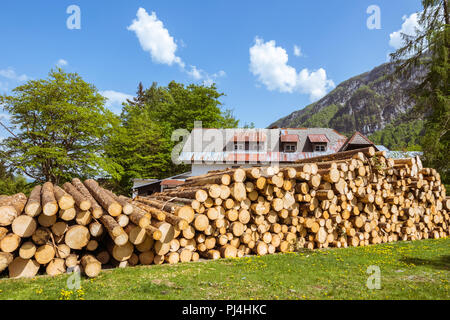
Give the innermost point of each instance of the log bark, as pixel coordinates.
(23, 268)
(127, 208)
(96, 209)
(105, 200)
(11, 207)
(65, 200)
(81, 200)
(91, 266)
(56, 267)
(370, 152)
(48, 200)
(5, 259)
(33, 207)
(115, 231)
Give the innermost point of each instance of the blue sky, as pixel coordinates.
(246, 47)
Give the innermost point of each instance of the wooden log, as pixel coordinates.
(167, 231)
(96, 229)
(228, 251)
(62, 251)
(146, 258)
(211, 254)
(172, 257)
(33, 207)
(161, 248)
(105, 200)
(83, 217)
(92, 245)
(91, 266)
(224, 179)
(77, 237)
(65, 200)
(201, 222)
(24, 226)
(136, 234)
(44, 254)
(68, 214)
(41, 236)
(96, 209)
(23, 268)
(185, 255)
(10, 243)
(56, 267)
(369, 152)
(123, 252)
(5, 259)
(46, 221)
(238, 191)
(11, 207)
(140, 218)
(80, 199)
(154, 212)
(27, 250)
(115, 231)
(127, 208)
(198, 194)
(72, 261)
(103, 256)
(48, 200)
(185, 212)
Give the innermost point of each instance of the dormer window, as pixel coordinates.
(318, 142)
(319, 148)
(290, 147)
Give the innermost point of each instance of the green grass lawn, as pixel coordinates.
(409, 270)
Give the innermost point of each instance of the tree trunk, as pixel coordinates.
(81, 200)
(105, 200)
(33, 207)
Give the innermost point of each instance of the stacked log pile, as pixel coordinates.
(353, 198)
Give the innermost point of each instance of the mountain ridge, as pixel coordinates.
(368, 103)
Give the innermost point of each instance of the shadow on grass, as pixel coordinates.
(442, 262)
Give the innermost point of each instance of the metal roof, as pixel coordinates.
(318, 138)
(289, 138)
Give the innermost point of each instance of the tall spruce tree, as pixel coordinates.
(430, 47)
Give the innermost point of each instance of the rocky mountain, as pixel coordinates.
(367, 103)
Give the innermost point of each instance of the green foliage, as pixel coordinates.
(321, 119)
(142, 144)
(61, 126)
(431, 47)
(400, 137)
(10, 184)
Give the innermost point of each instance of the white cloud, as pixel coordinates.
(11, 74)
(115, 100)
(409, 27)
(196, 73)
(270, 64)
(154, 38)
(208, 79)
(297, 51)
(61, 63)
